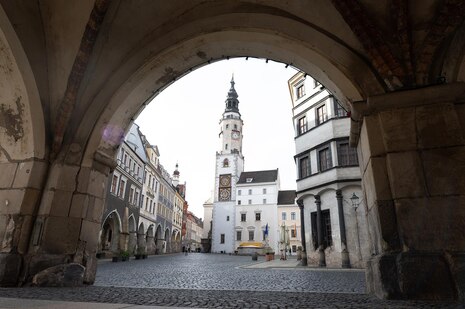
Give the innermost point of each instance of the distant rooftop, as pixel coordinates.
(258, 176)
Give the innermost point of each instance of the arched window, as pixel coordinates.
(225, 163)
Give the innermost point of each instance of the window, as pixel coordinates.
(222, 239)
(264, 236)
(136, 198)
(114, 184)
(294, 248)
(227, 218)
(300, 91)
(235, 126)
(225, 163)
(122, 188)
(315, 83)
(264, 201)
(257, 216)
(293, 233)
(304, 167)
(292, 215)
(239, 192)
(226, 146)
(249, 180)
(327, 233)
(339, 111)
(238, 235)
(324, 158)
(131, 195)
(227, 126)
(141, 201)
(346, 155)
(238, 202)
(264, 190)
(302, 127)
(283, 216)
(321, 114)
(250, 202)
(243, 217)
(251, 235)
(250, 191)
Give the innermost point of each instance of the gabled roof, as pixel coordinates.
(258, 176)
(286, 197)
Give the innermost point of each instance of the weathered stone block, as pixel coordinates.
(388, 225)
(63, 177)
(64, 275)
(7, 175)
(445, 170)
(406, 176)
(30, 174)
(431, 224)
(424, 276)
(371, 140)
(89, 234)
(376, 181)
(79, 206)
(381, 276)
(438, 126)
(61, 203)
(95, 209)
(11, 201)
(31, 201)
(97, 184)
(398, 128)
(91, 269)
(10, 266)
(456, 263)
(61, 235)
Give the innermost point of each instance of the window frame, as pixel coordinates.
(328, 160)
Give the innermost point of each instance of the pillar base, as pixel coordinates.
(345, 259)
(303, 260)
(10, 267)
(322, 258)
(413, 276)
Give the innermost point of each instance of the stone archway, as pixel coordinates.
(150, 240)
(409, 129)
(166, 242)
(132, 243)
(159, 241)
(110, 235)
(141, 244)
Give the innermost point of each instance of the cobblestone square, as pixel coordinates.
(220, 281)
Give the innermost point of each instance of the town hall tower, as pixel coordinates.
(229, 166)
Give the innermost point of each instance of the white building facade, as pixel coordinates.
(289, 220)
(328, 176)
(256, 209)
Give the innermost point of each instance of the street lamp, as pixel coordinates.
(355, 203)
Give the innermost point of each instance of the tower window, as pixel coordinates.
(226, 146)
(222, 239)
(225, 163)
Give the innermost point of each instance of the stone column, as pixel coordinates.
(321, 250)
(411, 151)
(342, 227)
(303, 262)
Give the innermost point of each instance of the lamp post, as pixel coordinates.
(355, 203)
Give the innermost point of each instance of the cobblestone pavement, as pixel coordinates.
(218, 281)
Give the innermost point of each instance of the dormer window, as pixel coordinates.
(249, 180)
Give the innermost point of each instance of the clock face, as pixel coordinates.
(225, 194)
(225, 180)
(235, 135)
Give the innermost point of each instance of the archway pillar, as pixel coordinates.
(412, 151)
(68, 221)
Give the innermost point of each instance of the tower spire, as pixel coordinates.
(232, 103)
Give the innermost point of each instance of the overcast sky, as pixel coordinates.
(183, 121)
